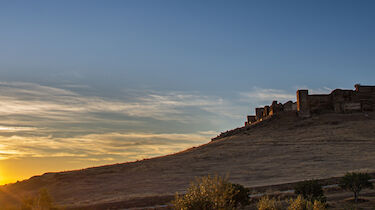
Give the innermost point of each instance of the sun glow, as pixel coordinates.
(3, 179)
(14, 129)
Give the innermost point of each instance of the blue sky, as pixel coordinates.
(152, 77)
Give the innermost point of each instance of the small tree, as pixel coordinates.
(355, 182)
(310, 190)
(210, 193)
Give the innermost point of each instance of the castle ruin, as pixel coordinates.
(362, 99)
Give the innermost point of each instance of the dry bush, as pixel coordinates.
(319, 205)
(209, 193)
(266, 203)
(300, 203)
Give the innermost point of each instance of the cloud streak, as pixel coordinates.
(54, 103)
(267, 95)
(43, 121)
(129, 146)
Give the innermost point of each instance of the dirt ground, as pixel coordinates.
(282, 150)
(337, 199)
(344, 200)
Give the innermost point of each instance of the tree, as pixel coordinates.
(210, 193)
(310, 190)
(355, 182)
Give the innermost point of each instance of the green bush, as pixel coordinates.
(310, 190)
(266, 203)
(355, 182)
(211, 193)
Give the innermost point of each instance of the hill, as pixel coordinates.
(282, 149)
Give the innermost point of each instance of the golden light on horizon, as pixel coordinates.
(3, 179)
(14, 129)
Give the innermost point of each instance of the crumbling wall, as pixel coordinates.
(266, 111)
(250, 119)
(290, 106)
(339, 101)
(262, 113)
(364, 88)
(276, 108)
(345, 101)
(320, 103)
(366, 96)
(259, 113)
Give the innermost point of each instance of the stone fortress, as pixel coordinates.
(362, 99)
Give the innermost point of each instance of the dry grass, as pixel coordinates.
(287, 149)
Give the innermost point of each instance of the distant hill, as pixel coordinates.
(283, 149)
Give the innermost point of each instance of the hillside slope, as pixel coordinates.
(283, 149)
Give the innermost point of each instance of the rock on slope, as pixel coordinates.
(283, 149)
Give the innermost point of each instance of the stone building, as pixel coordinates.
(361, 99)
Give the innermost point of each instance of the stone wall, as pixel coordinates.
(259, 113)
(320, 103)
(290, 106)
(250, 119)
(339, 101)
(265, 112)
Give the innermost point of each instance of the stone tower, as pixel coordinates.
(303, 105)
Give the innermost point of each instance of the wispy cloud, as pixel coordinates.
(323, 90)
(260, 95)
(129, 146)
(43, 121)
(15, 129)
(33, 99)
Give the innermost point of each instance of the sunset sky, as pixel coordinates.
(87, 83)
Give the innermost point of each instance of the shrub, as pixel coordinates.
(241, 195)
(210, 193)
(310, 190)
(319, 205)
(265, 203)
(299, 204)
(355, 182)
(302, 204)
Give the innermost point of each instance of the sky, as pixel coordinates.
(87, 83)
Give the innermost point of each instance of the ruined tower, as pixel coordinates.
(303, 105)
(259, 113)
